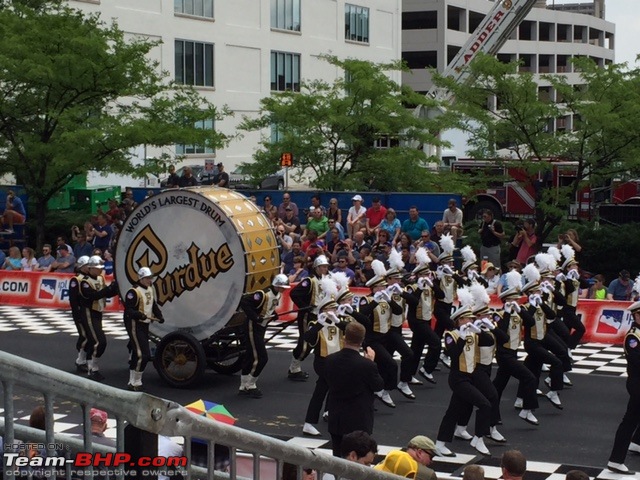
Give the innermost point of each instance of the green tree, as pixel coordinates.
(332, 130)
(75, 96)
(603, 143)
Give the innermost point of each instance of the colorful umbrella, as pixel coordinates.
(212, 410)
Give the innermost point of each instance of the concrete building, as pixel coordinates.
(239, 51)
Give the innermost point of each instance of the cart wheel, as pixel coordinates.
(232, 363)
(180, 359)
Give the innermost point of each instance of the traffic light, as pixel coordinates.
(286, 160)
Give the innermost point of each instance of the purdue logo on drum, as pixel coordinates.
(205, 247)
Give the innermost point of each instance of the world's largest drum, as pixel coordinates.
(206, 246)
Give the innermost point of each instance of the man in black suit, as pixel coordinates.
(352, 380)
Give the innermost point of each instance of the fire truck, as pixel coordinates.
(512, 191)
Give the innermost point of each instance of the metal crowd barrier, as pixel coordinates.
(152, 415)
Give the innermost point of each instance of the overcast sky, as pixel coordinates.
(626, 15)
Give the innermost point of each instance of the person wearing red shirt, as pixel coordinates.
(375, 214)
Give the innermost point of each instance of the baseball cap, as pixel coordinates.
(624, 274)
(423, 443)
(357, 198)
(100, 415)
(312, 209)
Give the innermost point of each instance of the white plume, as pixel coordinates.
(531, 273)
(568, 252)
(468, 254)
(480, 295)
(422, 258)
(636, 284)
(555, 253)
(341, 280)
(546, 261)
(446, 244)
(395, 260)
(465, 297)
(378, 268)
(328, 286)
(514, 279)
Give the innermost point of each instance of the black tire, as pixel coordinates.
(476, 210)
(228, 366)
(180, 359)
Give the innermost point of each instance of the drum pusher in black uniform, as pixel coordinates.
(140, 309)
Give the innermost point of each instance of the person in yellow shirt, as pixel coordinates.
(412, 461)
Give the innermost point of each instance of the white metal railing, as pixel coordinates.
(157, 416)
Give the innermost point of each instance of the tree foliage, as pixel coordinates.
(76, 95)
(332, 130)
(603, 143)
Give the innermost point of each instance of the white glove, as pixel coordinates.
(473, 328)
(447, 270)
(545, 287)
(382, 296)
(573, 275)
(516, 307)
(439, 272)
(424, 283)
(488, 323)
(332, 318)
(478, 324)
(465, 331)
(472, 275)
(508, 307)
(345, 309)
(560, 277)
(535, 300)
(322, 319)
(394, 289)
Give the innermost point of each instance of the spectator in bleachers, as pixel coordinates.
(333, 225)
(473, 472)
(404, 241)
(287, 258)
(343, 266)
(576, 475)
(502, 283)
(285, 242)
(513, 465)
(414, 225)
(452, 219)
(269, 208)
(570, 237)
(391, 225)
(408, 258)
(317, 222)
(82, 247)
(356, 216)
(359, 242)
(14, 212)
(437, 231)
(526, 241)
(286, 202)
(333, 238)
(45, 261)
(334, 212)
(103, 233)
(62, 241)
(65, 262)
(3, 257)
(291, 223)
(597, 291)
(432, 247)
(490, 273)
(108, 262)
(14, 260)
(383, 238)
(114, 214)
(315, 203)
(376, 213)
(298, 272)
(620, 288)
(28, 262)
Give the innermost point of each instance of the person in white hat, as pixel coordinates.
(93, 295)
(629, 429)
(140, 309)
(76, 312)
(356, 216)
(260, 308)
(305, 296)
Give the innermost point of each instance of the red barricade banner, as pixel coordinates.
(605, 321)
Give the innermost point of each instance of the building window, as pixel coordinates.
(197, 8)
(285, 15)
(419, 20)
(356, 23)
(182, 149)
(194, 63)
(285, 72)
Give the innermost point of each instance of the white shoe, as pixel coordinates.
(545, 368)
(619, 468)
(461, 433)
(325, 416)
(547, 381)
(634, 447)
(496, 436)
(554, 399)
(415, 381)
(309, 429)
(446, 360)
(426, 375)
(518, 403)
(566, 381)
(404, 389)
(385, 398)
(442, 450)
(529, 417)
(539, 392)
(478, 444)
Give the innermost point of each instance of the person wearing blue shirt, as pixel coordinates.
(414, 225)
(14, 212)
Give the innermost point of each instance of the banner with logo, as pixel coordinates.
(41, 290)
(605, 322)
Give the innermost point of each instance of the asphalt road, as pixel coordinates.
(581, 434)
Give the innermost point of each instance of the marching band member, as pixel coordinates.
(572, 292)
(76, 312)
(470, 274)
